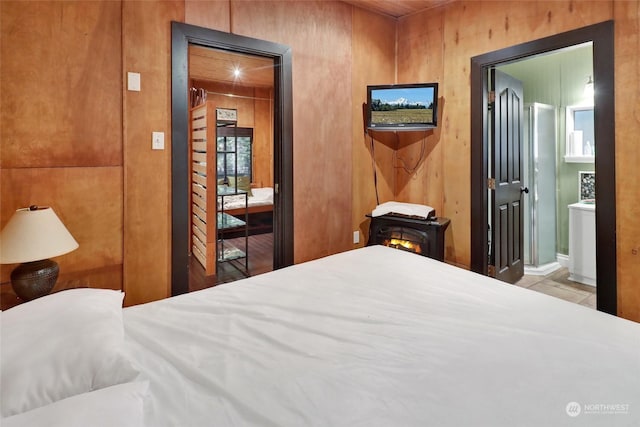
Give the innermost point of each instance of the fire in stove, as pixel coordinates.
(423, 237)
(405, 245)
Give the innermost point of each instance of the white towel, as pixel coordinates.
(409, 209)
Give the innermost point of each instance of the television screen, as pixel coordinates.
(402, 106)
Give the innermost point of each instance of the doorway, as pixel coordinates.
(242, 243)
(601, 35)
(183, 36)
(557, 149)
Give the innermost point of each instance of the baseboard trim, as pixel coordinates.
(541, 270)
(563, 260)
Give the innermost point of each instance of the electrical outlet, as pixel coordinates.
(356, 237)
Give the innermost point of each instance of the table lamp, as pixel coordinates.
(31, 236)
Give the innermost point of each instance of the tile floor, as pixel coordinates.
(557, 284)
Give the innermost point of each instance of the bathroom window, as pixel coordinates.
(580, 141)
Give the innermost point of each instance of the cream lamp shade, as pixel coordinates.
(31, 236)
(34, 234)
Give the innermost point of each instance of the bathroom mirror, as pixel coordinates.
(580, 139)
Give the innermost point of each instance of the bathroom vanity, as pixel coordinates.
(582, 243)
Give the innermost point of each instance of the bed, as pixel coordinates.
(369, 337)
(259, 200)
(259, 206)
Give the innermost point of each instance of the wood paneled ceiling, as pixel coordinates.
(207, 64)
(397, 8)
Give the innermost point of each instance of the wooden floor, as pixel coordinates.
(260, 261)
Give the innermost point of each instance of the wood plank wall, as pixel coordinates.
(627, 87)
(61, 126)
(146, 49)
(129, 212)
(420, 168)
(93, 162)
(373, 52)
(319, 34)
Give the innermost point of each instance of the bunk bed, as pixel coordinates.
(259, 210)
(215, 180)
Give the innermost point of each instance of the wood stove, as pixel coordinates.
(418, 235)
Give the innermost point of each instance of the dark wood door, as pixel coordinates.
(506, 177)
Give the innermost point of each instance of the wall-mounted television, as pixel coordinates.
(402, 106)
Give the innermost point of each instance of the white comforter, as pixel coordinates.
(381, 337)
(259, 197)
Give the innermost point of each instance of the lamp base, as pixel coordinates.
(32, 280)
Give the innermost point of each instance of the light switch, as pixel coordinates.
(157, 141)
(133, 81)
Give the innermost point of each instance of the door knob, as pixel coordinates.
(524, 190)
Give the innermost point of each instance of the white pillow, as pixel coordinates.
(265, 193)
(120, 405)
(64, 344)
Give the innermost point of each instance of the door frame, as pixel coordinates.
(602, 36)
(181, 36)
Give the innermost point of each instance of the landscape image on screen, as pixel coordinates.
(393, 107)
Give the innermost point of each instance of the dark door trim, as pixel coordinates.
(602, 36)
(181, 36)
